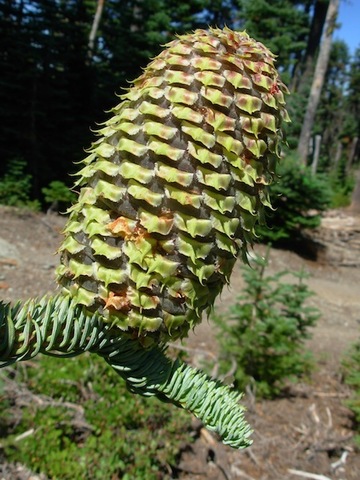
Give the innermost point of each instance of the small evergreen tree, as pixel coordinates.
(15, 186)
(58, 195)
(267, 329)
(298, 198)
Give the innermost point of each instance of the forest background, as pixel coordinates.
(62, 62)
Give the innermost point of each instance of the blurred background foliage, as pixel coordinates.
(62, 63)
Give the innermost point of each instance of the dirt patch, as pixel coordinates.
(28, 269)
(308, 430)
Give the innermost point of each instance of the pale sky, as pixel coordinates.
(349, 17)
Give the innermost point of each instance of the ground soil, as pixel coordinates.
(307, 433)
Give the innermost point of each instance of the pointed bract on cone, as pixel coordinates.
(171, 191)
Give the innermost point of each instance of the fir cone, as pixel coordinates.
(171, 191)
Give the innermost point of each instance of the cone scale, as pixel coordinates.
(171, 191)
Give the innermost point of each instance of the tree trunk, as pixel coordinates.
(95, 27)
(355, 200)
(338, 153)
(351, 153)
(316, 155)
(318, 81)
(305, 67)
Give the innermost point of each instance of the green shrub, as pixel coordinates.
(58, 195)
(15, 186)
(298, 198)
(113, 434)
(342, 184)
(266, 330)
(351, 369)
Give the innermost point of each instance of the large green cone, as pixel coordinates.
(171, 191)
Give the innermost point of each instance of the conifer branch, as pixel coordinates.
(59, 327)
